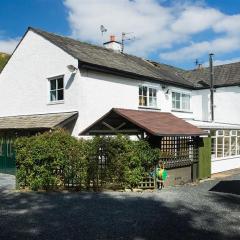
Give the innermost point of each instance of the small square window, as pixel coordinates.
(147, 96)
(180, 101)
(56, 89)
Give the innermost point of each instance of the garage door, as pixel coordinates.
(7, 155)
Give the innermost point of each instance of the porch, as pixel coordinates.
(178, 140)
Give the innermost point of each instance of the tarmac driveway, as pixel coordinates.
(206, 211)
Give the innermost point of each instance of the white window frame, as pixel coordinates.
(155, 88)
(232, 134)
(55, 78)
(181, 101)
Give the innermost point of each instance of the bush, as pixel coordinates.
(55, 160)
(50, 160)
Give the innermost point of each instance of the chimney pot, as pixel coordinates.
(112, 38)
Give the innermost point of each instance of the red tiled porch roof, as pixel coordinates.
(155, 123)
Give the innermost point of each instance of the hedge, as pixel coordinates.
(55, 160)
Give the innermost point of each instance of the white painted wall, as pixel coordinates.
(24, 82)
(226, 110)
(227, 101)
(225, 164)
(101, 92)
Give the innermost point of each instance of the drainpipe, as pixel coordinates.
(211, 86)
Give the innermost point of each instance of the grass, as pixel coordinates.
(3, 60)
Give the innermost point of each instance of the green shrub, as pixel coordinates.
(56, 160)
(50, 160)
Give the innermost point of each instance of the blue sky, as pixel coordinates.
(172, 32)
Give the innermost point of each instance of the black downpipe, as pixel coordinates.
(211, 86)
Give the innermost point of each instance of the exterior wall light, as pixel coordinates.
(71, 68)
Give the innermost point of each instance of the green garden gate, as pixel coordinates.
(7, 155)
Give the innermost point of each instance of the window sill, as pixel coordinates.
(55, 102)
(179, 110)
(149, 108)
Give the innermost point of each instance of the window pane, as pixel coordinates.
(150, 91)
(53, 84)
(152, 102)
(226, 146)
(220, 147)
(238, 146)
(154, 92)
(53, 95)
(60, 83)
(173, 100)
(185, 102)
(173, 96)
(142, 101)
(226, 132)
(60, 94)
(176, 100)
(213, 147)
(178, 96)
(140, 90)
(233, 146)
(233, 132)
(144, 91)
(177, 104)
(220, 132)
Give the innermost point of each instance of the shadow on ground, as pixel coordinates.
(230, 186)
(106, 216)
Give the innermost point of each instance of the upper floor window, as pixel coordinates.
(180, 101)
(147, 96)
(56, 89)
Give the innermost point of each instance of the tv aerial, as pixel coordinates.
(103, 30)
(124, 39)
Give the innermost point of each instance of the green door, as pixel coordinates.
(7, 155)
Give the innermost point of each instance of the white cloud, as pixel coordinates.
(8, 45)
(157, 27)
(195, 19)
(222, 62)
(145, 18)
(195, 50)
(228, 24)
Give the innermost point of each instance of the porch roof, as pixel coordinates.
(213, 125)
(128, 121)
(37, 121)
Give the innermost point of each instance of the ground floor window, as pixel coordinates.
(225, 143)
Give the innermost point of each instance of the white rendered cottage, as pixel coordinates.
(53, 81)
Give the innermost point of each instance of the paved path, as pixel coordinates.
(206, 211)
(7, 182)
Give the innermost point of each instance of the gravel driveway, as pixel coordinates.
(206, 211)
(7, 182)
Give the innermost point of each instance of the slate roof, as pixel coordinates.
(38, 121)
(109, 59)
(155, 123)
(224, 75)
